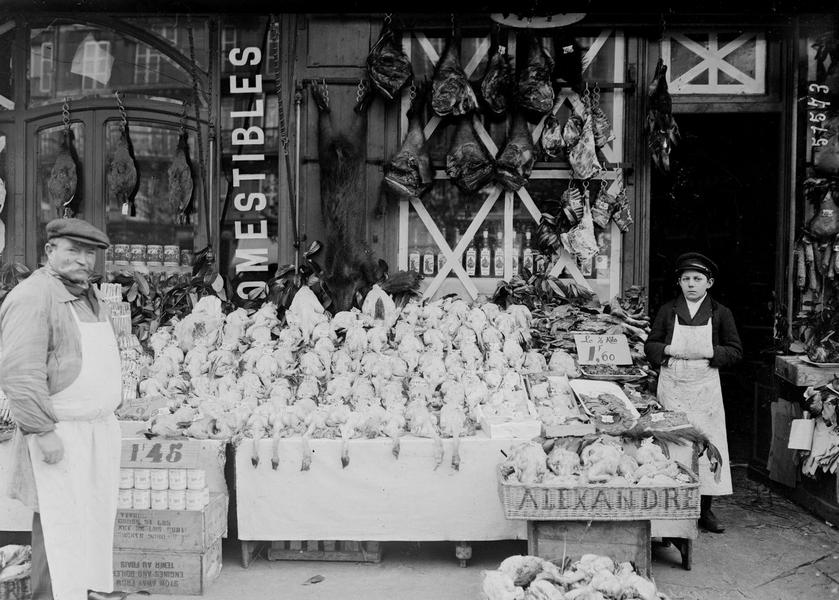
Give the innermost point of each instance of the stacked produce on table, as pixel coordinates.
(601, 460)
(431, 369)
(593, 577)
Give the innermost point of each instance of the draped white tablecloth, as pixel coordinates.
(377, 497)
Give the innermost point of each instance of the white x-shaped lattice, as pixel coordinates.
(713, 60)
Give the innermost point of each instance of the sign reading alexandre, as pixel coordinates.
(605, 501)
(248, 171)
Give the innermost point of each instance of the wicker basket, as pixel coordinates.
(547, 502)
(16, 589)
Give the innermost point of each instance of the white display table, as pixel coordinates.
(14, 516)
(377, 497)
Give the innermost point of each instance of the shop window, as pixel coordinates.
(82, 61)
(7, 35)
(715, 62)
(466, 243)
(155, 225)
(49, 147)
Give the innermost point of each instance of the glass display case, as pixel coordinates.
(467, 243)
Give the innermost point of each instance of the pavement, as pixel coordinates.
(771, 550)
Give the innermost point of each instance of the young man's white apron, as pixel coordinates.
(77, 497)
(693, 386)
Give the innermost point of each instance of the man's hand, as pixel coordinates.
(51, 446)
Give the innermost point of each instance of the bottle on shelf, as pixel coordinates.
(527, 253)
(498, 255)
(470, 261)
(414, 252)
(441, 258)
(485, 262)
(429, 256)
(516, 253)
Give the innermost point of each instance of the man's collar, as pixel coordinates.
(73, 291)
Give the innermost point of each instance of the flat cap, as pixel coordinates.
(78, 230)
(693, 261)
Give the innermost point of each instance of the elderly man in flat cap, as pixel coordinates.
(692, 337)
(61, 372)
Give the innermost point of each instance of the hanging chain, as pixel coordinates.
(278, 86)
(361, 90)
(388, 18)
(325, 91)
(452, 21)
(595, 97)
(121, 109)
(65, 113)
(182, 123)
(412, 91)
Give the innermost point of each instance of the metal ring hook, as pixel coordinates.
(388, 18)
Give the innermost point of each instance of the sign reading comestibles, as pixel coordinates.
(248, 171)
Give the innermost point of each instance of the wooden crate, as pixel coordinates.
(16, 589)
(794, 370)
(620, 540)
(165, 571)
(185, 530)
(325, 550)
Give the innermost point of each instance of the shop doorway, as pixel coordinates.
(721, 199)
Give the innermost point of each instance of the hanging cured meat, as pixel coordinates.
(62, 182)
(388, 66)
(516, 160)
(122, 174)
(553, 143)
(572, 130)
(498, 82)
(180, 182)
(583, 156)
(535, 92)
(409, 173)
(468, 163)
(825, 223)
(451, 92)
(661, 128)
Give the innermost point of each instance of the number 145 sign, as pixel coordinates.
(159, 454)
(602, 349)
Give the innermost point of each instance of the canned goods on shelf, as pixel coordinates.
(154, 255)
(142, 479)
(140, 499)
(196, 479)
(177, 499)
(125, 498)
(171, 255)
(159, 479)
(126, 479)
(177, 479)
(159, 499)
(194, 499)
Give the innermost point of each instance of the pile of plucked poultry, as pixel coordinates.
(592, 577)
(603, 460)
(431, 369)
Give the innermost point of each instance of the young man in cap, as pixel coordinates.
(60, 369)
(693, 337)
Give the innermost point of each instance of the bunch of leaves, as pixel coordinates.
(282, 287)
(817, 323)
(159, 298)
(540, 290)
(11, 274)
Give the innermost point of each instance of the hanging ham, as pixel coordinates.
(498, 82)
(122, 174)
(62, 182)
(388, 66)
(180, 182)
(662, 130)
(535, 92)
(553, 143)
(516, 160)
(409, 173)
(451, 92)
(468, 163)
(583, 156)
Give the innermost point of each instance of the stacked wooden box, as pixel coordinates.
(168, 551)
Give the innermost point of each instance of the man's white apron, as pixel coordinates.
(693, 386)
(77, 497)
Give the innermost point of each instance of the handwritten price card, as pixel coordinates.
(159, 454)
(602, 349)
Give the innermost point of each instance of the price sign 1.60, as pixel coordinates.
(602, 349)
(161, 454)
